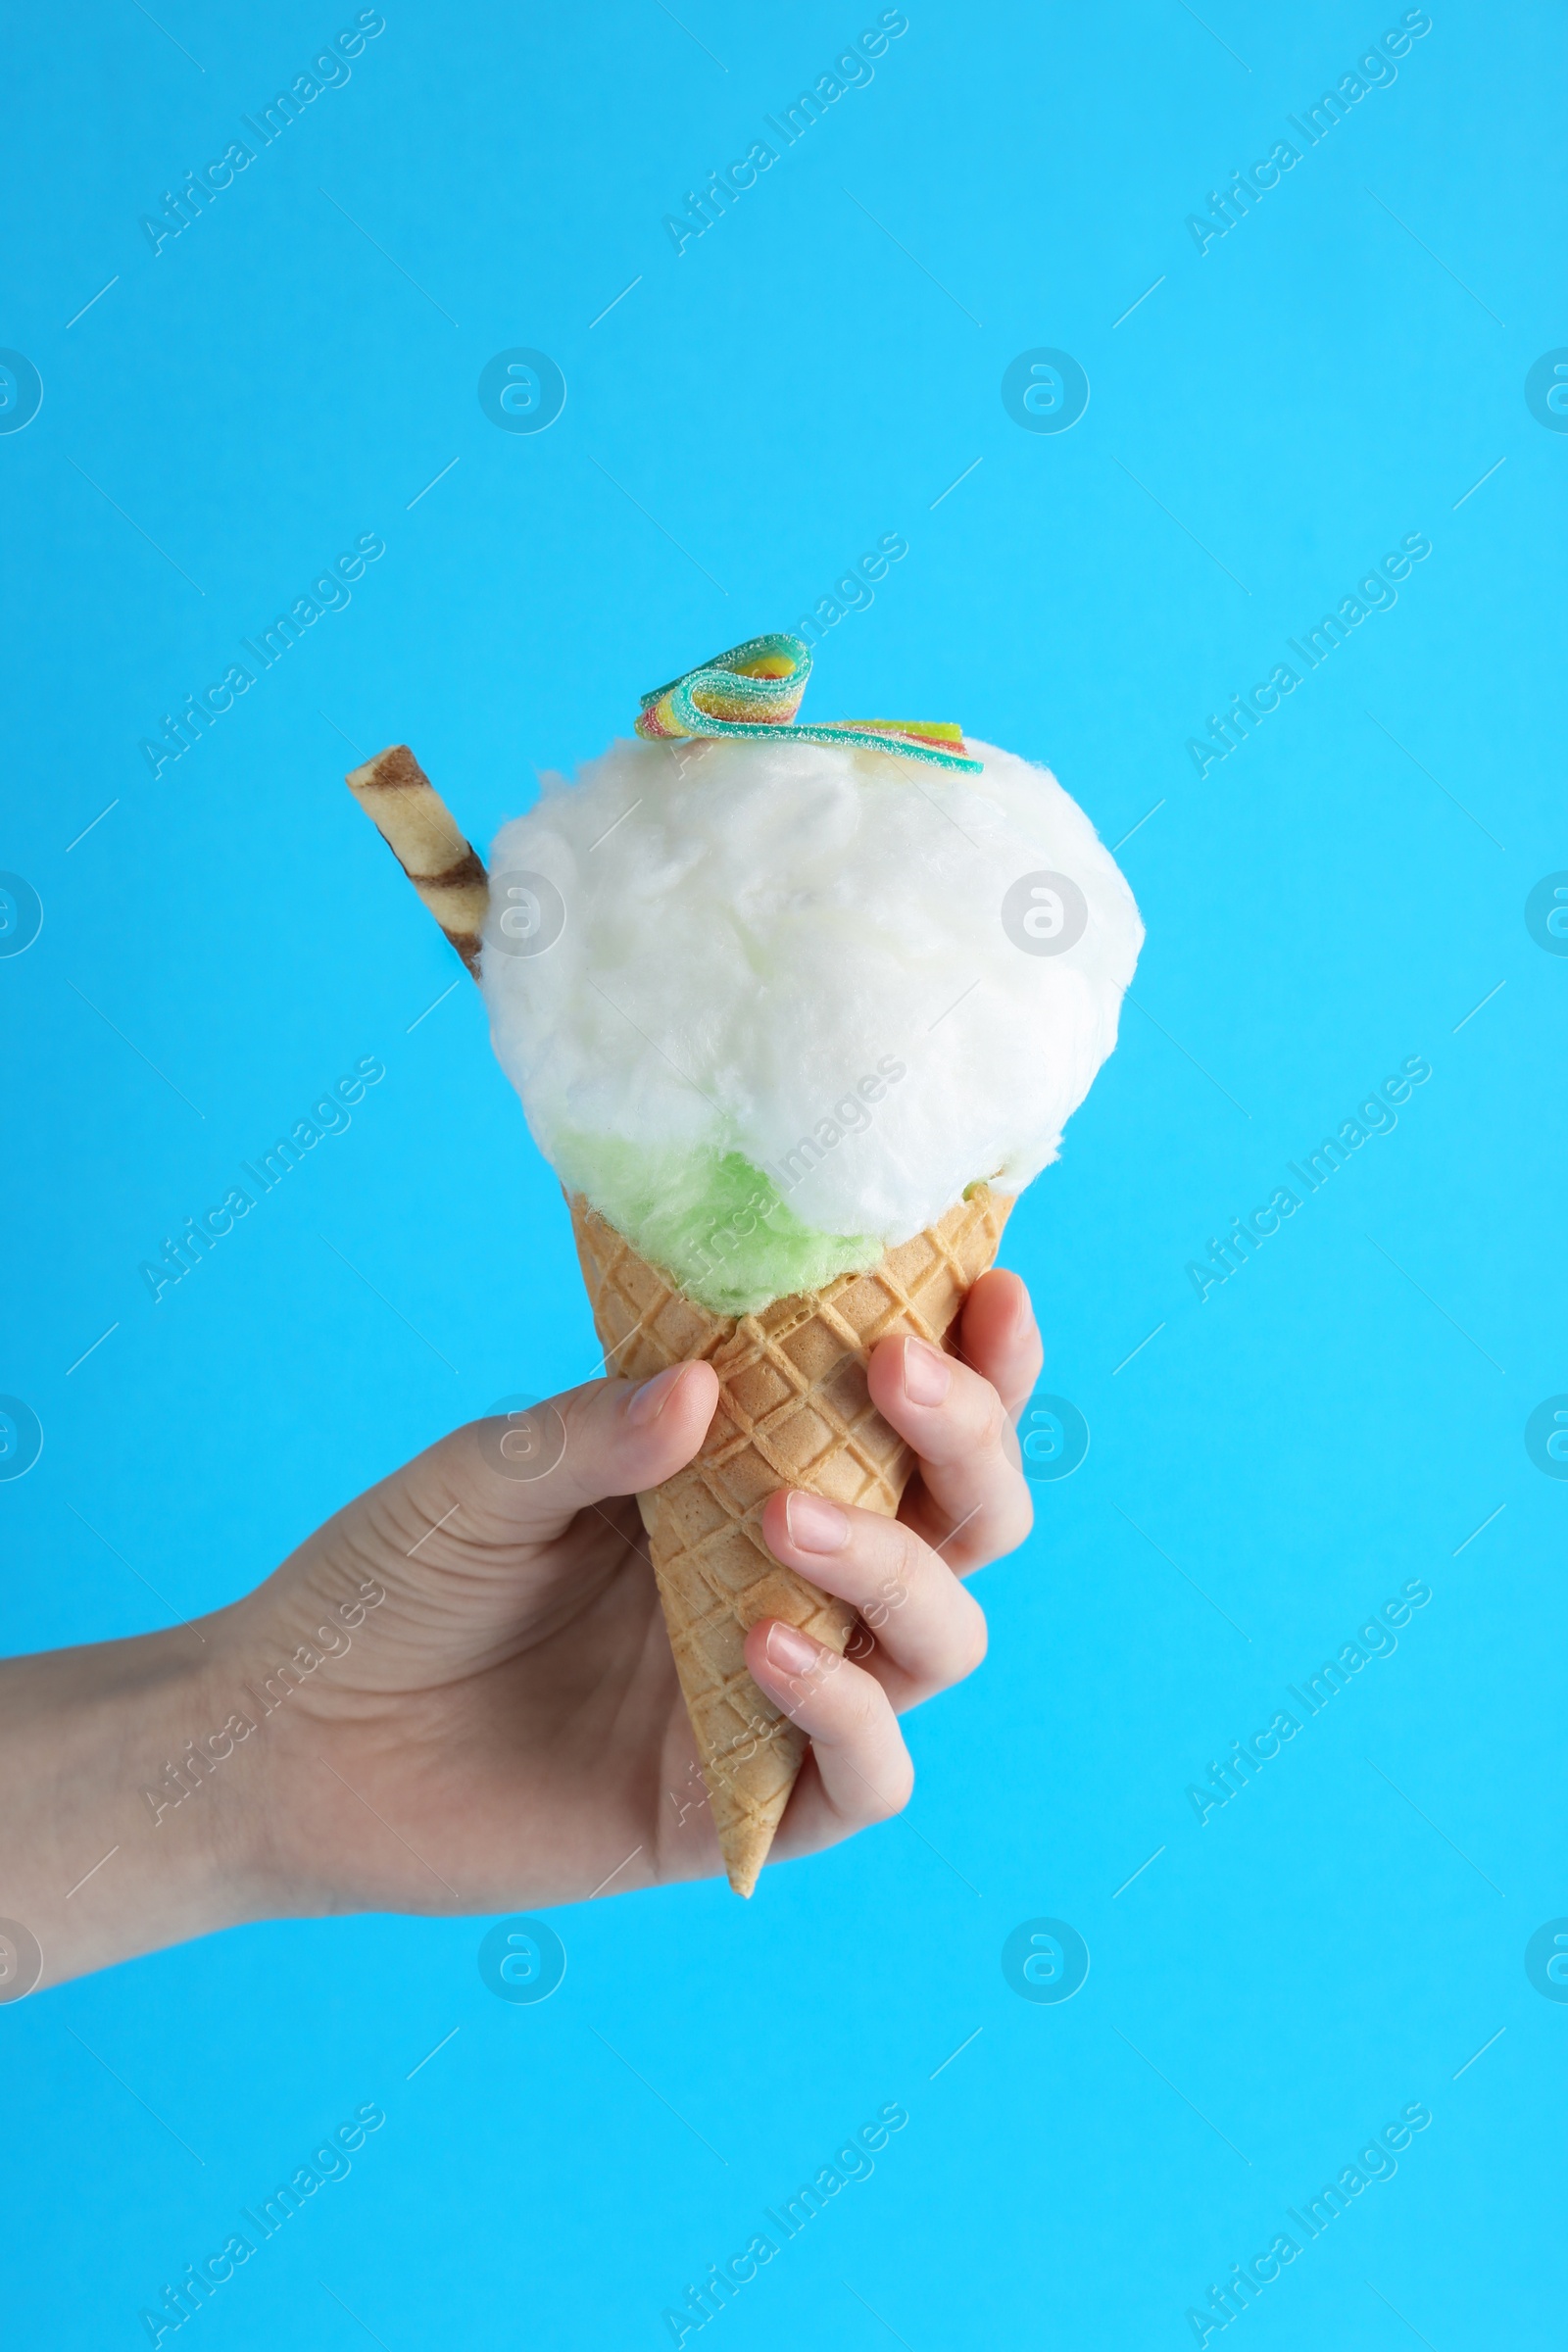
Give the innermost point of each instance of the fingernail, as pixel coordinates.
(650, 1401)
(927, 1375)
(814, 1525)
(790, 1650)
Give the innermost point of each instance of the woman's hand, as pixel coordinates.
(460, 1694)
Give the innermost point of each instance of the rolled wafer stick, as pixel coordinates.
(421, 831)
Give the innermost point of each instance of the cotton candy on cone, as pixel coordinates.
(793, 1409)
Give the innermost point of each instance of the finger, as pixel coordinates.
(863, 1769)
(928, 1630)
(971, 1503)
(997, 1336)
(538, 1468)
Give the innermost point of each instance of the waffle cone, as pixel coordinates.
(793, 1409)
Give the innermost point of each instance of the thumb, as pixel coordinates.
(538, 1467)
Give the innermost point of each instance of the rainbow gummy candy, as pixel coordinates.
(756, 688)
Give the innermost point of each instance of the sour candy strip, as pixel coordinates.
(755, 690)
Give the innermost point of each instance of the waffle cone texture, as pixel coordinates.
(794, 1410)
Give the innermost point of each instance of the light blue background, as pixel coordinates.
(1277, 414)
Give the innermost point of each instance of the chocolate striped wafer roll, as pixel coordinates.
(421, 831)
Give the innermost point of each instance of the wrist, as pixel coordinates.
(114, 1846)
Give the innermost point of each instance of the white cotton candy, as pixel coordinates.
(749, 938)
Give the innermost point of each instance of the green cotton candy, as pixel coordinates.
(711, 1219)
